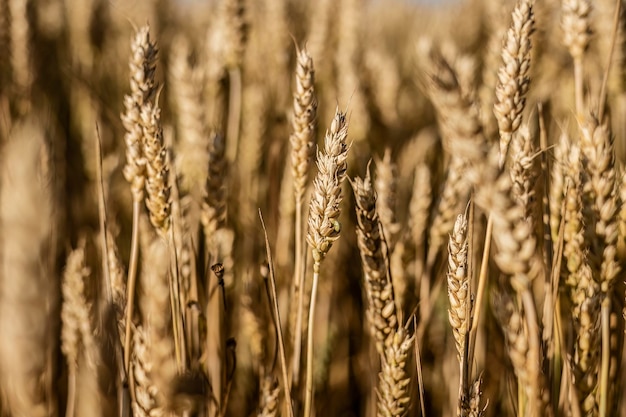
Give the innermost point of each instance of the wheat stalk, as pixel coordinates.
(302, 142)
(142, 65)
(324, 226)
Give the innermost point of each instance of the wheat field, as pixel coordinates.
(312, 207)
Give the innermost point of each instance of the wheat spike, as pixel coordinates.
(304, 120)
(213, 216)
(142, 66)
(145, 404)
(157, 169)
(157, 312)
(324, 212)
(381, 311)
(457, 116)
(270, 390)
(524, 171)
(513, 78)
(596, 144)
(187, 89)
(459, 312)
(76, 332)
(393, 380)
(386, 200)
(575, 23)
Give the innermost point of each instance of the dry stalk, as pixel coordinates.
(419, 214)
(324, 226)
(234, 31)
(513, 75)
(381, 309)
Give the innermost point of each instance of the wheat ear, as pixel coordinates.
(302, 144)
(386, 190)
(513, 75)
(575, 22)
(381, 309)
(324, 226)
(156, 309)
(270, 390)
(76, 332)
(419, 214)
(517, 257)
(142, 65)
(602, 196)
(393, 381)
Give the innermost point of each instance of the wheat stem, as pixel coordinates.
(131, 282)
(308, 396)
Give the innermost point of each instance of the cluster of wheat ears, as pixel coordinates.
(280, 207)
